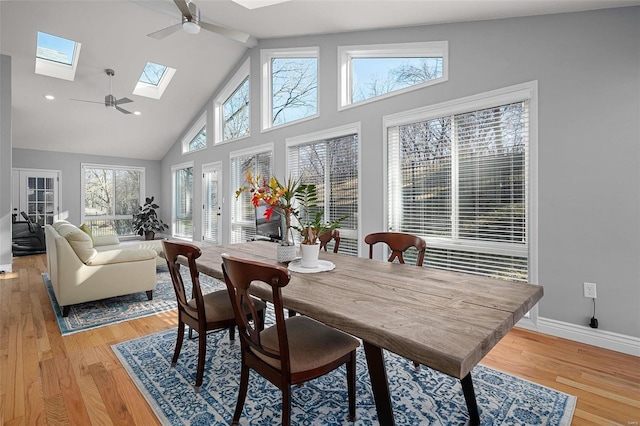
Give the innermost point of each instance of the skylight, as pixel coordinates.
(56, 56)
(154, 80)
(152, 73)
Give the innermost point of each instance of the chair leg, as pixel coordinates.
(232, 333)
(261, 316)
(176, 352)
(351, 386)
(286, 405)
(242, 392)
(202, 353)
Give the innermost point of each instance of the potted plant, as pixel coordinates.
(295, 200)
(146, 222)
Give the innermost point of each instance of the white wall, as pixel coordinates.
(71, 176)
(5, 163)
(588, 70)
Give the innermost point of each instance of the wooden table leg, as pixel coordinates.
(379, 383)
(470, 398)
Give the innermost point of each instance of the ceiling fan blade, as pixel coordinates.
(84, 100)
(122, 110)
(122, 101)
(236, 35)
(182, 5)
(159, 35)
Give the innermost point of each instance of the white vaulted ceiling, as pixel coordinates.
(114, 35)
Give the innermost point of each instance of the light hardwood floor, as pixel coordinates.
(47, 379)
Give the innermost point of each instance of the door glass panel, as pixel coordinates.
(211, 207)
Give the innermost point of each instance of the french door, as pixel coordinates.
(211, 202)
(36, 192)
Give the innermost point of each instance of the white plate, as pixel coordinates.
(323, 265)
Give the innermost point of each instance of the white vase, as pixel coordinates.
(309, 255)
(285, 253)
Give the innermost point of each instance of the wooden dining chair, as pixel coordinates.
(326, 239)
(201, 312)
(398, 243)
(292, 351)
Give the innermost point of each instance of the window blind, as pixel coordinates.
(460, 182)
(332, 165)
(183, 202)
(243, 216)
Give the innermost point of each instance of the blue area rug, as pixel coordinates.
(420, 397)
(85, 316)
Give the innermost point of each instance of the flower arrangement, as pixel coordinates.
(293, 199)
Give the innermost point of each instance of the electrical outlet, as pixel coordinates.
(590, 290)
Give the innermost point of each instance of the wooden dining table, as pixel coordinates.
(445, 320)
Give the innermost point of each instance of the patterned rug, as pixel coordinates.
(420, 397)
(85, 316)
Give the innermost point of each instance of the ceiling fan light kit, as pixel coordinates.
(192, 24)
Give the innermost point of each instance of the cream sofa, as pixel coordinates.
(83, 269)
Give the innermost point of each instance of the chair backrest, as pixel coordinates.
(398, 242)
(238, 275)
(191, 252)
(326, 238)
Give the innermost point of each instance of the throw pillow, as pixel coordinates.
(84, 227)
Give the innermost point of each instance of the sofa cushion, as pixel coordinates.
(57, 224)
(106, 240)
(121, 256)
(79, 241)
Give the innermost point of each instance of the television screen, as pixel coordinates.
(273, 229)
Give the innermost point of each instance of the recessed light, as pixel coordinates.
(137, 113)
(49, 97)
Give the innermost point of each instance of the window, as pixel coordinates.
(56, 56)
(460, 176)
(232, 107)
(154, 80)
(183, 200)
(330, 160)
(289, 86)
(110, 196)
(196, 138)
(259, 161)
(374, 72)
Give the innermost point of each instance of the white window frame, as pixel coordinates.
(175, 168)
(83, 166)
(56, 69)
(336, 132)
(521, 92)
(266, 100)
(260, 149)
(229, 89)
(154, 91)
(193, 131)
(397, 50)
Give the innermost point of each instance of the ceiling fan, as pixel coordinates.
(191, 23)
(110, 101)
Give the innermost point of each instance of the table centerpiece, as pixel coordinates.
(295, 200)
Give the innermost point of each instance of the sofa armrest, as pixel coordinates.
(105, 240)
(121, 256)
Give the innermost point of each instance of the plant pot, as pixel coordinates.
(310, 254)
(285, 253)
(149, 235)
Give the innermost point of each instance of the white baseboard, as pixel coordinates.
(7, 269)
(583, 334)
